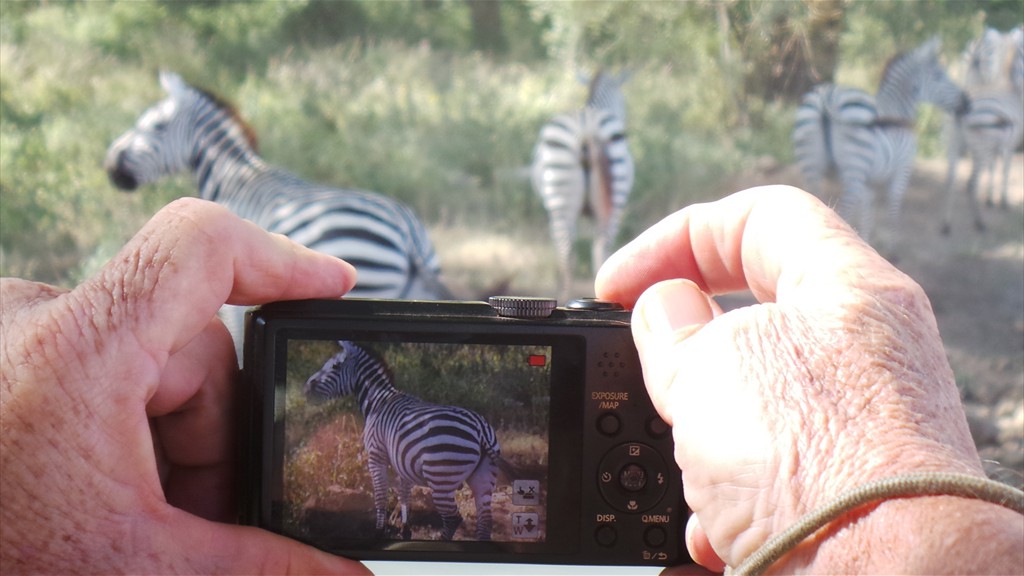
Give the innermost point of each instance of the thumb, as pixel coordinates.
(665, 315)
(699, 546)
(230, 549)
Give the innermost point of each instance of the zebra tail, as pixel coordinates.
(826, 132)
(508, 470)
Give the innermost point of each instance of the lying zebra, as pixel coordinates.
(440, 447)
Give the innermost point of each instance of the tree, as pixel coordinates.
(488, 34)
(790, 46)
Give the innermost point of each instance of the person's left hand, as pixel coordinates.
(116, 401)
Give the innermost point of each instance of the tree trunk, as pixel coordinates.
(825, 25)
(488, 34)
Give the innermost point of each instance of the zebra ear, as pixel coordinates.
(172, 83)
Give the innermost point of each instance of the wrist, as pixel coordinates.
(921, 534)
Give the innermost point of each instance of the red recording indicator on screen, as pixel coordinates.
(538, 360)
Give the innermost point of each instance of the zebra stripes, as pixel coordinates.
(193, 130)
(440, 447)
(604, 92)
(869, 141)
(994, 126)
(582, 167)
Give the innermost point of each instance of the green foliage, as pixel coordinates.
(494, 381)
(392, 97)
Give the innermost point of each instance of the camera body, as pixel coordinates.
(508, 431)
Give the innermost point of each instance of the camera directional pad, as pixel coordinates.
(632, 477)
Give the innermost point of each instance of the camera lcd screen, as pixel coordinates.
(459, 432)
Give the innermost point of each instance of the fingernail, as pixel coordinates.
(669, 306)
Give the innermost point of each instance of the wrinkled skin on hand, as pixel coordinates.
(116, 401)
(836, 378)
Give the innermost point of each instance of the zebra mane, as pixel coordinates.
(898, 57)
(230, 109)
(378, 360)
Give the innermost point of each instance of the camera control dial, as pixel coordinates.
(522, 307)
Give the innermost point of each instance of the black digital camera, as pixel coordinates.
(507, 431)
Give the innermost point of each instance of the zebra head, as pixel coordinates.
(338, 376)
(930, 81)
(158, 144)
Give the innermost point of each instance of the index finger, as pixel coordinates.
(774, 241)
(190, 259)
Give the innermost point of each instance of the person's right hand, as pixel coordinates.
(836, 378)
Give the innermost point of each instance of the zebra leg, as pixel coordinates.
(856, 205)
(972, 195)
(604, 239)
(563, 233)
(482, 482)
(379, 478)
(1007, 150)
(990, 196)
(404, 492)
(897, 188)
(954, 148)
(444, 503)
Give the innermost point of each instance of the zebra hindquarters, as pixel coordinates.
(557, 177)
(610, 183)
(811, 139)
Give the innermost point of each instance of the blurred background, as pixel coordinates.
(439, 103)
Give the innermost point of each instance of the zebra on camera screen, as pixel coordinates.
(869, 140)
(194, 130)
(582, 167)
(994, 126)
(440, 447)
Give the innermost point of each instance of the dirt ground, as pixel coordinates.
(975, 281)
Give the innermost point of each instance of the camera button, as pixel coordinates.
(657, 428)
(606, 535)
(594, 305)
(609, 424)
(633, 478)
(655, 536)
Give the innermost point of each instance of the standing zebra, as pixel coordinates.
(994, 126)
(192, 129)
(440, 447)
(870, 141)
(582, 166)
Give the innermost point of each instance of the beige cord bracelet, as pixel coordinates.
(918, 484)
